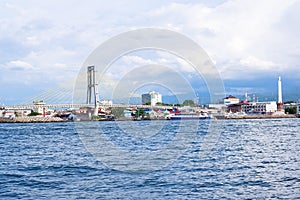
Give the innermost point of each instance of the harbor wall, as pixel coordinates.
(31, 120)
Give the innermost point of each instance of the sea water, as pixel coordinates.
(249, 159)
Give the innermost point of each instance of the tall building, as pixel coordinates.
(146, 98)
(152, 97)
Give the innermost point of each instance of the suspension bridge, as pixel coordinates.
(64, 93)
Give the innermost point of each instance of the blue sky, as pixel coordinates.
(44, 43)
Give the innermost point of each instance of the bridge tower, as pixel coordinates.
(92, 88)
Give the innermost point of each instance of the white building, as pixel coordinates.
(260, 107)
(39, 109)
(152, 97)
(217, 106)
(106, 102)
(231, 100)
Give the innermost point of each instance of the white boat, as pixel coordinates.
(179, 116)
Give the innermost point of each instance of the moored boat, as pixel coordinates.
(179, 116)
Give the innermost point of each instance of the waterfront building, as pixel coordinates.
(158, 114)
(40, 110)
(217, 106)
(231, 100)
(260, 107)
(237, 107)
(151, 98)
(9, 114)
(253, 107)
(23, 112)
(127, 114)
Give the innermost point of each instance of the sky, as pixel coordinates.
(43, 44)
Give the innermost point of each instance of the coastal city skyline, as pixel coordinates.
(160, 99)
(41, 49)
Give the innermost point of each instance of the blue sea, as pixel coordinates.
(230, 159)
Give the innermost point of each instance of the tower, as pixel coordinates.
(279, 103)
(152, 97)
(279, 90)
(92, 88)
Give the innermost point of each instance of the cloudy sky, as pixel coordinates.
(251, 42)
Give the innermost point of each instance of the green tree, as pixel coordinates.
(288, 102)
(189, 103)
(139, 113)
(95, 117)
(291, 110)
(34, 114)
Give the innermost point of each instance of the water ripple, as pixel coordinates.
(253, 159)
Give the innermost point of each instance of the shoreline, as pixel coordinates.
(57, 119)
(32, 120)
(259, 117)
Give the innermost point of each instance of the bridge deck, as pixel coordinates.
(20, 107)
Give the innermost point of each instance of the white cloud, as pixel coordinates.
(238, 30)
(249, 68)
(148, 57)
(136, 60)
(245, 38)
(60, 65)
(233, 30)
(251, 61)
(18, 65)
